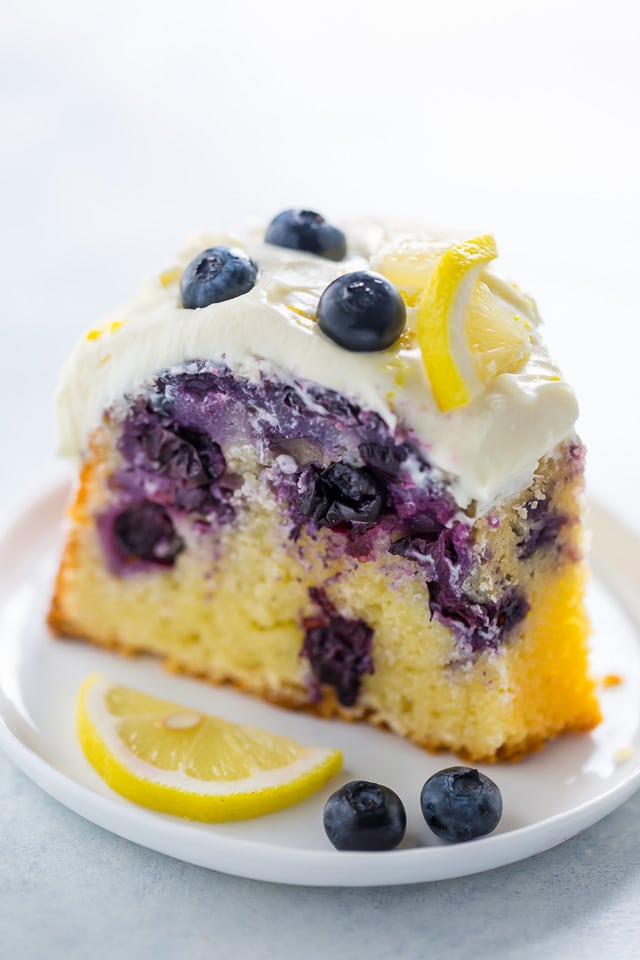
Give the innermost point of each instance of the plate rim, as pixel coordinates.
(183, 840)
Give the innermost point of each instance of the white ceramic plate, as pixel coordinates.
(548, 798)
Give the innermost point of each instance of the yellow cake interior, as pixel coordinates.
(233, 610)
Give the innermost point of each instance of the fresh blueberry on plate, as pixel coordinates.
(364, 816)
(460, 803)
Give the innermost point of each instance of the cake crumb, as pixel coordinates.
(623, 754)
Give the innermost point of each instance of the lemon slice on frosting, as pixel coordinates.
(177, 760)
(467, 335)
(407, 262)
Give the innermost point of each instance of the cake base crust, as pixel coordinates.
(330, 709)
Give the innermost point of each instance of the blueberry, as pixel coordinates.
(386, 459)
(459, 803)
(342, 494)
(338, 648)
(544, 525)
(364, 816)
(309, 231)
(145, 532)
(362, 311)
(176, 455)
(216, 274)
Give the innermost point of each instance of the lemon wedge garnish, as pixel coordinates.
(407, 262)
(181, 761)
(467, 334)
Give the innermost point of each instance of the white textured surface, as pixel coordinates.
(128, 126)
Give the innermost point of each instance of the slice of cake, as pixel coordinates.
(339, 471)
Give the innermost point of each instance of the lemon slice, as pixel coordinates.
(407, 262)
(467, 334)
(181, 761)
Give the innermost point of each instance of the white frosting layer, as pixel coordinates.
(490, 447)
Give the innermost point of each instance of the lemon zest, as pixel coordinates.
(169, 276)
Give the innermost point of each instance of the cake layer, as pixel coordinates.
(287, 540)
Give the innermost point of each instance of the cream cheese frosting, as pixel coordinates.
(489, 448)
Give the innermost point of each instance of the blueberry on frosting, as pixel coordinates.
(217, 274)
(309, 231)
(362, 311)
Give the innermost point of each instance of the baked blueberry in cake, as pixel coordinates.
(338, 469)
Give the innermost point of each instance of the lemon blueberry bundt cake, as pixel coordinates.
(340, 471)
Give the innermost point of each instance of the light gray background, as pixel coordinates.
(126, 127)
